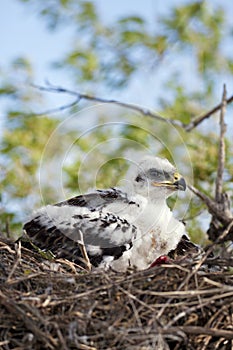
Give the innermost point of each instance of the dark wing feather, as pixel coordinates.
(63, 247)
(97, 200)
(184, 248)
(98, 228)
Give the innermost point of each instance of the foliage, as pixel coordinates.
(191, 33)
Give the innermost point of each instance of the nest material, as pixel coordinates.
(56, 305)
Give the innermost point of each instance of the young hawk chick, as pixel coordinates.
(132, 226)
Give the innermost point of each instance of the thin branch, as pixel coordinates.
(83, 250)
(214, 332)
(57, 89)
(219, 207)
(213, 207)
(198, 120)
(143, 111)
(225, 232)
(17, 261)
(221, 155)
(82, 96)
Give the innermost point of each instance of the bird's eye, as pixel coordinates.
(156, 174)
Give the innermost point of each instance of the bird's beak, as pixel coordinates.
(178, 183)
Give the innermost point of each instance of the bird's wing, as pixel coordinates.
(83, 219)
(184, 248)
(98, 200)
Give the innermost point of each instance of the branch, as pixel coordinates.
(198, 120)
(224, 216)
(50, 88)
(219, 208)
(83, 250)
(221, 154)
(196, 330)
(82, 96)
(141, 110)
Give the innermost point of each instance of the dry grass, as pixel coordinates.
(55, 305)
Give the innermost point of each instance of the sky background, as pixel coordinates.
(25, 34)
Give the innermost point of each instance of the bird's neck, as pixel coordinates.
(145, 201)
(149, 198)
(160, 201)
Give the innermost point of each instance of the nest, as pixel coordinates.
(55, 305)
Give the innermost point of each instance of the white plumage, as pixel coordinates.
(119, 227)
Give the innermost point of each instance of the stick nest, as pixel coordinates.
(53, 304)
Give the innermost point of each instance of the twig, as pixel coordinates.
(194, 308)
(83, 250)
(4, 342)
(143, 111)
(196, 268)
(73, 266)
(213, 207)
(60, 337)
(3, 245)
(17, 261)
(219, 208)
(82, 96)
(24, 278)
(27, 319)
(133, 297)
(198, 120)
(57, 89)
(221, 154)
(200, 330)
(221, 198)
(210, 249)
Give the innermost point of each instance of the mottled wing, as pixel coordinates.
(97, 200)
(60, 228)
(184, 248)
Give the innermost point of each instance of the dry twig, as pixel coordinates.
(83, 250)
(143, 111)
(219, 207)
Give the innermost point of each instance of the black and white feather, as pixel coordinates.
(119, 227)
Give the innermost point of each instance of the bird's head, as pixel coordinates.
(157, 178)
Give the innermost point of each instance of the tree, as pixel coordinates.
(192, 34)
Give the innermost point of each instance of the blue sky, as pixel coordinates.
(24, 33)
(27, 34)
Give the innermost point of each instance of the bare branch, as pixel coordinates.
(199, 330)
(221, 155)
(17, 261)
(219, 208)
(143, 111)
(82, 96)
(57, 89)
(222, 201)
(223, 214)
(83, 250)
(198, 120)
